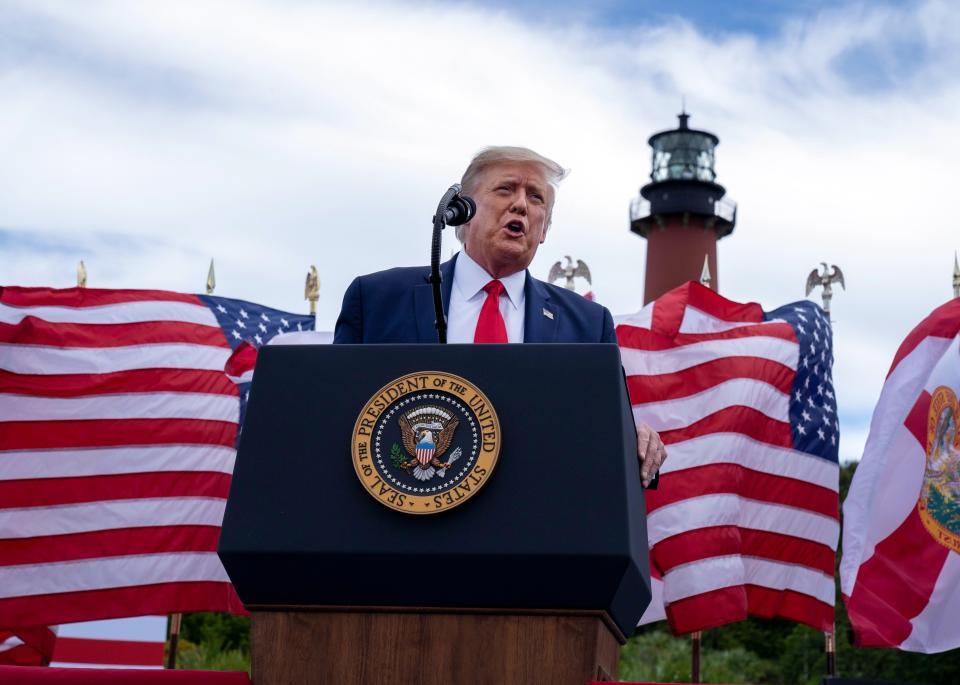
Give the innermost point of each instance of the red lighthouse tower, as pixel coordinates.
(683, 211)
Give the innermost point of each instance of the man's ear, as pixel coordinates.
(543, 235)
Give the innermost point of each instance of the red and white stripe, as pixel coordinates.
(741, 524)
(902, 587)
(117, 643)
(117, 433)
(30, 646)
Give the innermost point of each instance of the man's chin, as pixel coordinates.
(510, 261)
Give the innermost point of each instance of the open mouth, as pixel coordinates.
(515, 227)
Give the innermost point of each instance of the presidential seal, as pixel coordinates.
(939, 504)
(426, 442)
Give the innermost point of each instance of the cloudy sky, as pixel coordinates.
(147, 137)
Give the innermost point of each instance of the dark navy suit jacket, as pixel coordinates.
(396, 306)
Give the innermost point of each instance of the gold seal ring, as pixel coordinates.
(426, 442)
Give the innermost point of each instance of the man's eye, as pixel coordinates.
(536, 196)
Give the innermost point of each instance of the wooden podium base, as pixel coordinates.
(404, 647)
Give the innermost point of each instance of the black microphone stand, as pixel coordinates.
(439, 223)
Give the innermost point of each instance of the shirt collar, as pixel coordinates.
(469, 279)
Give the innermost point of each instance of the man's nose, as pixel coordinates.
(519, 205)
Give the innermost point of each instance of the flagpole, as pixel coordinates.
(830, 646)
(311, 292)
(956, 275)
(81, 275)
(211, 279)
(174, 639)
(695, 656)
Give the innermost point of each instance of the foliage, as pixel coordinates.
(213, 641)
(207, 658)
(656, 656)
(396, 455)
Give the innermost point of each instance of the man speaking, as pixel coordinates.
(488, 294)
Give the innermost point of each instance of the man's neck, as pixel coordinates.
(495, 271)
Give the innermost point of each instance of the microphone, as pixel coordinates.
(460, 210)
(454, 209)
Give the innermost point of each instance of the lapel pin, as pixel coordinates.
(547, 313)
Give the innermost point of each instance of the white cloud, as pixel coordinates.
(273, 135)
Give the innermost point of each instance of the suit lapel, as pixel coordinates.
(423, 301)
(540, 317)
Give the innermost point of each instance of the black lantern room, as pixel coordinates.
(683, 181)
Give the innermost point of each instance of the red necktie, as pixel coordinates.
(490, 325)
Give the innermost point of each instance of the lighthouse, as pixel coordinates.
(682, 211)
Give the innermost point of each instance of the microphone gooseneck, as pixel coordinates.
(453, 207)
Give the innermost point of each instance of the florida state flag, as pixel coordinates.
(900, 573)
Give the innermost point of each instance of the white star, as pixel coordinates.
(263, 329)
(810, 402)
(826, 421)
(801, 430)
(817, 324)
(801, 317)
(221, 309)
(236, 335)
(264, 317)
(806, 382)
(833, 440)
(801, 328)
(805, 415)
(827, 408)
(816, 336)
(244, 314)
(816, 368)
(241, 324)
(279, 331)
(246, 398)
(823, 436)
(823, 355)
(828, 394)
(258, 339)
(299, 326)
(806, 364)
(820, 389)
(798, 396)
(286, 324)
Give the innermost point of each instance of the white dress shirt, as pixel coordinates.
(467, 297)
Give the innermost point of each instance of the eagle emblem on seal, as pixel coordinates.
(426, 433)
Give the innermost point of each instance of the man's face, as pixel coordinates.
(511, 218)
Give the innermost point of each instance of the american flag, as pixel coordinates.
(746, 518)
(28, 646)
(118, 429)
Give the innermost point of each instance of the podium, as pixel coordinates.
(536, 576)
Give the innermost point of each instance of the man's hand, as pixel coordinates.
(650, 451)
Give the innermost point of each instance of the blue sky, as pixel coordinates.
(759, 17)
(146, 138)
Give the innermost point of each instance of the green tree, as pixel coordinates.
(214, 641)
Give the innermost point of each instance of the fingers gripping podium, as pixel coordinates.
(437, 514)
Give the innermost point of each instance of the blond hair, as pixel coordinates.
(553, 173)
